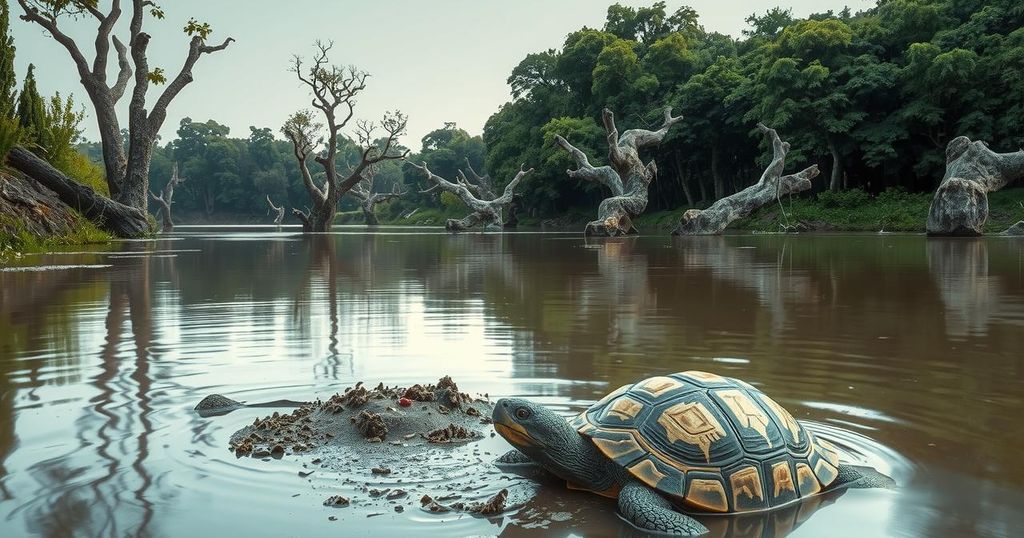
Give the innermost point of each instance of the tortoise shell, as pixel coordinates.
(713, 443)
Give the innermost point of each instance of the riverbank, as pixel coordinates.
(33, 219)
(852, 210)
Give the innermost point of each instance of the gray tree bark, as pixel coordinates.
(127, 174)
(627, 176)
(334, 90)
(166, 198)
(960, 206)
(486, 212)
(368, 200)
(113, 217)
(279, 212)
(771, 187)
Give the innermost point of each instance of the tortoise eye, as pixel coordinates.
(523, 413)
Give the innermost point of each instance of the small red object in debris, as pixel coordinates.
(404, 402)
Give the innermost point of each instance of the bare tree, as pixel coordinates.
(486, 212)
(626, 177)
(771, 187)
(368, 200)
(334, 90)
(127, 174)
(165, 199)
(960, 206)
(279, 219)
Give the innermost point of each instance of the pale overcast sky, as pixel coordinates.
(437, 60)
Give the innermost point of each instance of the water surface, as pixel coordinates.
(905, 351)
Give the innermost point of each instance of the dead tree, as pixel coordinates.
(771, 187)
(334, 90)
(165, 199)
(626, 177)
(279, 219)
(127, 172)
(960, 206)
(486, 212)
(368, 200)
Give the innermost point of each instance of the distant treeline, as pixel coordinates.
(871, 97)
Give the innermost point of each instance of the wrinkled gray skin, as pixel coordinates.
(544, 438)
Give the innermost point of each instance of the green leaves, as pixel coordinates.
(196, 28)
(156, 76)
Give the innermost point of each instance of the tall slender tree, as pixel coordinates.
(8, 79)
(32, 109)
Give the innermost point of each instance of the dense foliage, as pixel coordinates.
(871, 97)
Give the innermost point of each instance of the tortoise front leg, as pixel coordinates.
(645, 508)
(514, 457)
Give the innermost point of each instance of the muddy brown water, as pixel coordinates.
(907, 353)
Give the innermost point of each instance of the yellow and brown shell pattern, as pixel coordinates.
(714, 443)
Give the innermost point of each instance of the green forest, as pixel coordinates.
(871, 97)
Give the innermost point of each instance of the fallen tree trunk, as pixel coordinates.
(771, 187)
(627, 176)
(960, 206)
(486, 212)
(113, 217)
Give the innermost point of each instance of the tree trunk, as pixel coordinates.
(960, 206)
(627, 176)
(369, 215)
(716, 174)
(771, 186)
(166, 224)
(683, 180)
(116, 218)
(836, 182)
(486, 212)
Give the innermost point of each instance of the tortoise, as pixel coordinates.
(693, 440)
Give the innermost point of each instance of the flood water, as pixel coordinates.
(906, 352)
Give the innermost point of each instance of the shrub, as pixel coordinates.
(843, 199)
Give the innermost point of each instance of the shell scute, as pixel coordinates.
(714, 443)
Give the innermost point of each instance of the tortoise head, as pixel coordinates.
(535, 430)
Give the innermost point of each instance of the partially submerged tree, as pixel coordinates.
(368, 200)
(166, 198)
(627, 177)
(279, 211)
(127, 174)
(485, 211)
(960, 206)
(334, 91)
(771, 187)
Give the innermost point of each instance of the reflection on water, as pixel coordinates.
(903, 350)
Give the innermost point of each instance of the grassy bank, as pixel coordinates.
(16, 239)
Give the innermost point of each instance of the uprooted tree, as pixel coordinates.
(486, 211)
(278, 212)
(127, 172)
(627, 177)
(369, 200)
(334, 90)
(166, 198)
(770, 188)
(960, 206)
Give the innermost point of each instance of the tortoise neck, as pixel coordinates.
(580, 463)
